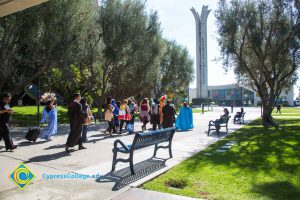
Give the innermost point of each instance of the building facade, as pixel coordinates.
(239, 95)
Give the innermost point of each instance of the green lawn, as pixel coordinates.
(288, 110)
(263, 164)
(198, 110)
(27, 115)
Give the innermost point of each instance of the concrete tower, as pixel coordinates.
(201, 51)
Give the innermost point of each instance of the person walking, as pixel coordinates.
(49, 116)
(116, 107)
(278, 107)
(76, 120)
(132, 110)
(5, 112)
(168, 115)
(124, 114)
(144, 115)
(184, 120)
(155, 114)
(109, 118)
(87, 118)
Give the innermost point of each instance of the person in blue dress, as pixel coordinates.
(49, 116)
(184, 120)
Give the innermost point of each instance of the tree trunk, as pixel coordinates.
(98, 100)
(267, 106)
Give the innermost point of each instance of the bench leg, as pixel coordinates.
(208, 131)
(131, 165)
(155, 150)
(226, 128)
(113, 168)
(170, 150)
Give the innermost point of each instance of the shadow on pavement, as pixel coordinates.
(214, 134)
(28, 143)
(123, 177)
(48, 157)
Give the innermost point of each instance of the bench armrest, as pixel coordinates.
(121, 143)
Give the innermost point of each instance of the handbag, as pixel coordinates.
(130, 128)
(33, 134)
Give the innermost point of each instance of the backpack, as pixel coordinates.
(154, 110)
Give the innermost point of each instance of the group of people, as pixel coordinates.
(49, 116)
(160, 113)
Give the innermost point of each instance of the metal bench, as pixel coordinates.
(217, 125)
(142, 140)
(240, 120)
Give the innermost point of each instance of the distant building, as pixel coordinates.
(239, 95)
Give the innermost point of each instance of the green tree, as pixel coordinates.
(37, 39)
(176, 69)
(260, 39)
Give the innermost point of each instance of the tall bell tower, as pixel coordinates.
(201, 51)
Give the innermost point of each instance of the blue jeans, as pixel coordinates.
(84, 132)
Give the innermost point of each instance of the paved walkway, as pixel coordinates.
(50, 158)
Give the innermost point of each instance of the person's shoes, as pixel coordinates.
(67, 149)
(81, 147)
(12, 148)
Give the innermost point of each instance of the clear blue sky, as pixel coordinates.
(178, 24)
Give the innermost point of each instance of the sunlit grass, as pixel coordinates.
(263, 164)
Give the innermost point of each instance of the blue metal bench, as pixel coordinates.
(240, 120)
(142, 140)
(222, 122)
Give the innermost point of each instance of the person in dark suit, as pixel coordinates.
(75, 115)
(5, 112)
(168, 115)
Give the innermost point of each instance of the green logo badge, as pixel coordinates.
(22, 176)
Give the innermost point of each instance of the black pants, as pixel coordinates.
(155, 121)
(4, 133)
(122, 124)
(110, 126)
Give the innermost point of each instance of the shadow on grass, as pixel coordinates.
(123, 177)
(256, 149)
(277, 190)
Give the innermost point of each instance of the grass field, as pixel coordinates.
(198, 110)
(263, 164)
(27, 115)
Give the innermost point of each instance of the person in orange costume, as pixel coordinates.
(162, 104)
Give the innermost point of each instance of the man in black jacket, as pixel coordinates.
(168, 115)
(76, 120)
(5, 112)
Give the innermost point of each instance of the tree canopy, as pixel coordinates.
(260, 40)
(113, 48)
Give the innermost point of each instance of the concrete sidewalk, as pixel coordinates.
(50, 158)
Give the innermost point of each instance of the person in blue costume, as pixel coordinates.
(49, 116)
(116, 123)
(184, 120)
